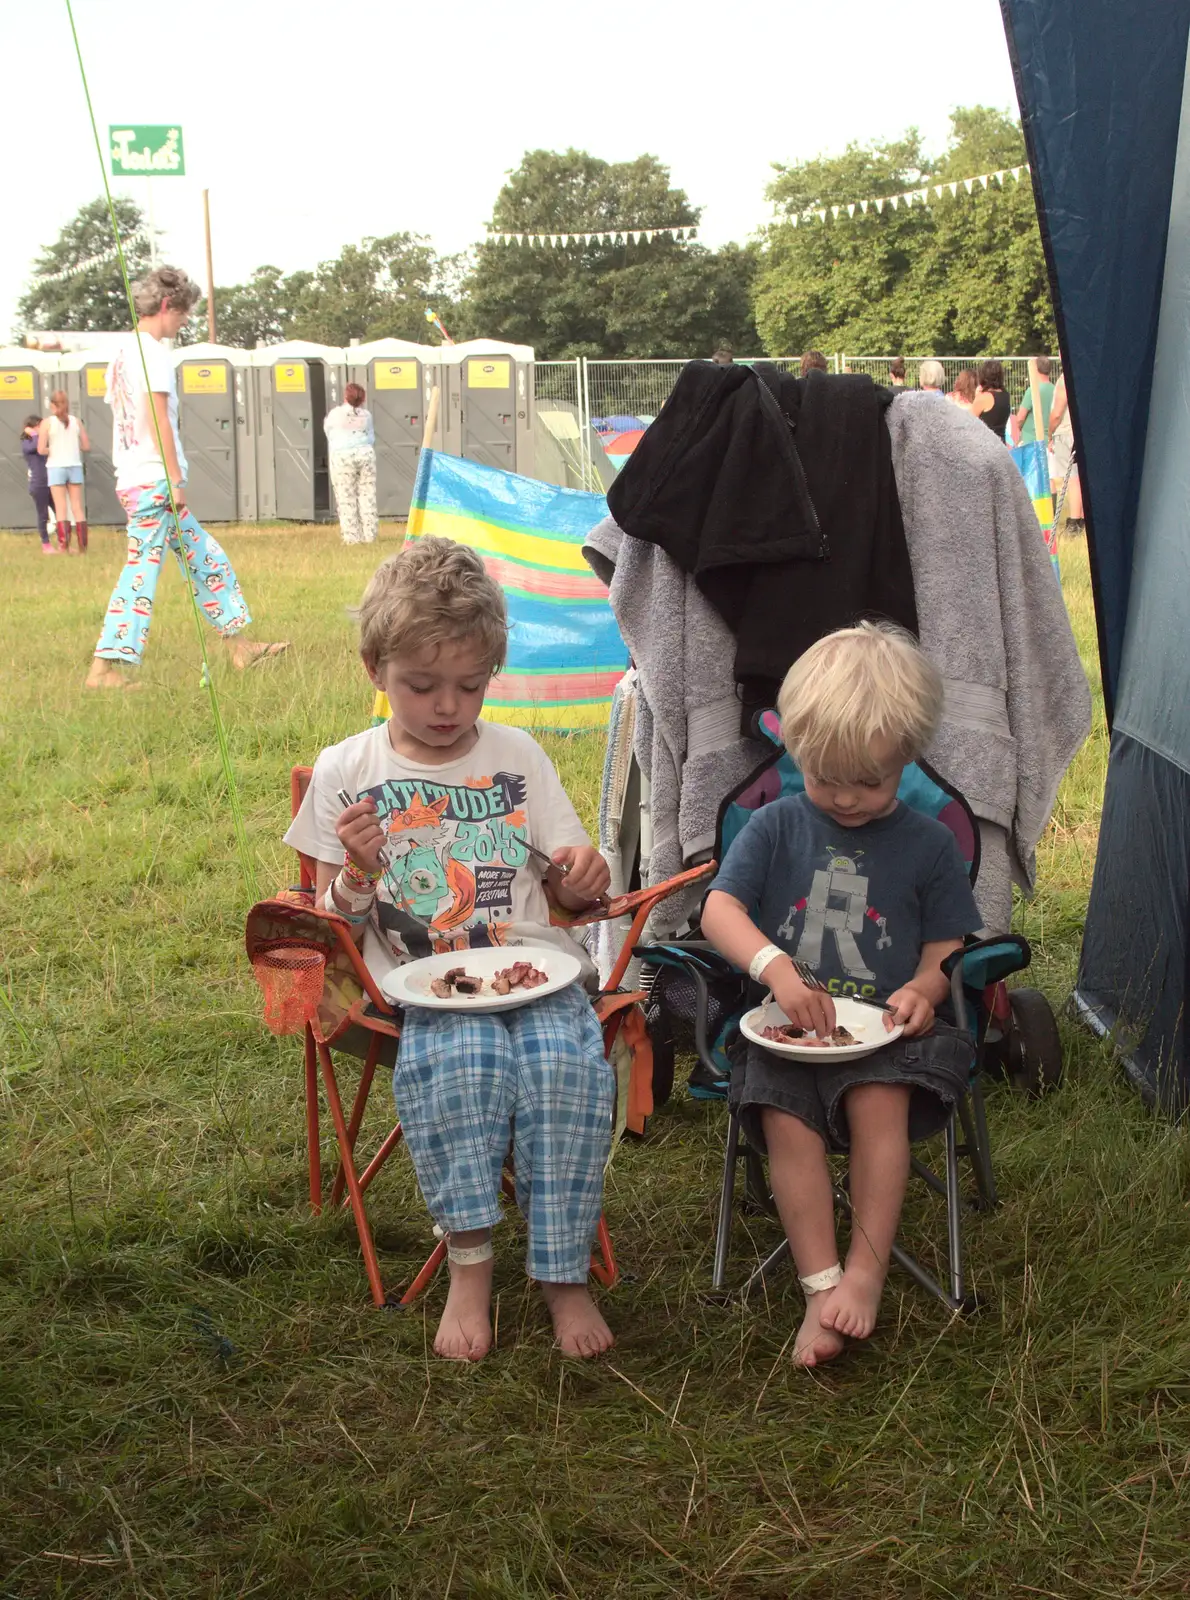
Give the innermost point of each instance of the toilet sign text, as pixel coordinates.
(146, 152)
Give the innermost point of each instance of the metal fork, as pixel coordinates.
(812, 981)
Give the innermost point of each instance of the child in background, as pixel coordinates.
(873, 897)
(39, 483)
(456, 799)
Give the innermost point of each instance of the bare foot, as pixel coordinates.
(465, 1332)
(851, 1306)
(106, 674)
(816, 1343)
(578, 1326)
(249, 653)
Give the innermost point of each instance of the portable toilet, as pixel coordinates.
(399, 378)
(84, 377)
(297, 384)
(218, 418)
(26, 380)
(487, 403)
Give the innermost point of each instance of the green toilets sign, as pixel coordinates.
(146, 152)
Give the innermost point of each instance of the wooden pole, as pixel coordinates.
(206, 218)
(427, 438)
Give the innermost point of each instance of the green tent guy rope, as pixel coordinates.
(233, 795)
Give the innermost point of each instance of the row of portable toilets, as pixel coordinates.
(252, 421)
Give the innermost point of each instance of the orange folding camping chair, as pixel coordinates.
(315, 983)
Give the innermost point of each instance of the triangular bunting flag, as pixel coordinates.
(879, 204)
(954, 189)
(999, 177)
(1016, 172)
(835, 211)
(863, 206)
(968, 184)
(937, 191)
(821, 215)
(851, 210)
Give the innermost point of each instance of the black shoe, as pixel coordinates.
(707, 1085)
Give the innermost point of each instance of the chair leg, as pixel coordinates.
(981, 1144)
(954, 1213)
(362, 1228)
(604, 1268)
(381, 1156)
(769, 1265)
(436, 1258)
(726, 1201)
(363, 1089)
(313, 1157)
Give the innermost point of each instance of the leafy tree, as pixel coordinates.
(958, 276)
(663, 297)
(375, 290)
(260, 311)
(93, 299)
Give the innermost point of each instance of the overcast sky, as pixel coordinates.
(317, 124)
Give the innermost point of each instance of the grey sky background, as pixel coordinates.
(317, 124)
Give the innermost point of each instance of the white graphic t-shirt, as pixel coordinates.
(456, 834)
(135, 455)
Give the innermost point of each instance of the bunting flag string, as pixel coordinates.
(924, 196)
(104, 256)
(554, 241)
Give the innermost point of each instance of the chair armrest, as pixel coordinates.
(989, 960)
(983, 962)
(639, 904)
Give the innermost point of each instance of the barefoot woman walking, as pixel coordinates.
(144, 472)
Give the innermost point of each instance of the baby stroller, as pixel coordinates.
(696, 1000)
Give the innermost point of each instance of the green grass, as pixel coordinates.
(196, 1398)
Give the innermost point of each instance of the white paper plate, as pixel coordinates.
(410, 985)
(865, 1022)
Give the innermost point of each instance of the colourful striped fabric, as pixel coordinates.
(565, 654)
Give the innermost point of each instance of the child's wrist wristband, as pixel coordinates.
(356, 907)
(761, 960)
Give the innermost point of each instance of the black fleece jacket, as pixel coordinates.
(777, 494)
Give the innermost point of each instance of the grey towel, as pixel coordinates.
(992, 617)
(688, 742)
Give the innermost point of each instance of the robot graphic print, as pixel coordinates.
(836, 911)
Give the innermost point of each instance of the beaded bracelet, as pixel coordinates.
(356, 879)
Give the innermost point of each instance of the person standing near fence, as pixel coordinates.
(896, 372)
(963, 393)
(1024, 426)
(61, 439)
(992, 405)
(147, 454)
(351, 454)
(39, 483)
(931, 377)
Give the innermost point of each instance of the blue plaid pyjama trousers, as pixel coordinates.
(465, 1084)
(150, 530)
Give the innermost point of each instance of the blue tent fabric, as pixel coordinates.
(1100, 91)
(1103, 98)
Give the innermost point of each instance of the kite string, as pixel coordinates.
(233, 794)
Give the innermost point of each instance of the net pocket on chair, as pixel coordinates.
(291, 977)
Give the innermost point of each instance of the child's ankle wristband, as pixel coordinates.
(469, 1255)
(818, 1281)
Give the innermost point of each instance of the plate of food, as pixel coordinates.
(859, 1030)
(482, 980)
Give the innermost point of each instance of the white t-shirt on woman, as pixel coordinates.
(65, 443)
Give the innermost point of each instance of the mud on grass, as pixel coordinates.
(196, 1398)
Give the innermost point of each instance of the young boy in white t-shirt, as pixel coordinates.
(456, 800)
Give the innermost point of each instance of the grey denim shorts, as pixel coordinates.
(937, 1066)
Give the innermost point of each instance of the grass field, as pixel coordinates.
(196, 1397)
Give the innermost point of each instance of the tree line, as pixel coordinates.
(960, 276)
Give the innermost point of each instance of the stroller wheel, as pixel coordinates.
(1033, 1053)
